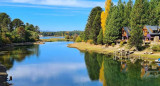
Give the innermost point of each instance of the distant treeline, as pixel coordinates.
(16, 31)
(61, 33)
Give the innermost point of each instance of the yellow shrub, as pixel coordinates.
(90, 41)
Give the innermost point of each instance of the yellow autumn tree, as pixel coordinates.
(101, 75)
(104, 15)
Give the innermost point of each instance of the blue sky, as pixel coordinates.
(51, 15)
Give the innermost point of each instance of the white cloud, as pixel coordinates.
(37, 71)
(68, 3)
(32, 6)
(81, 79)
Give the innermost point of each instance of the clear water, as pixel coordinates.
(49, 37)
(50, 64)
(54, 64)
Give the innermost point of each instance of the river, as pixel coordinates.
(54, 64)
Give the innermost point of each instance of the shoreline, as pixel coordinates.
(110, 50)
(21, 44)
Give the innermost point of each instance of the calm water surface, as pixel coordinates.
(54, 64)
(49, 37)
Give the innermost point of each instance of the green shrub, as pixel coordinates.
(113, 44)
(66, 36)
(121, 43)
(78, 39)
(156, 47)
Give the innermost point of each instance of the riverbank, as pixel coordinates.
(21, 44)
(56, 39)
(109, 50)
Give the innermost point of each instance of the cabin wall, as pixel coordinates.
(145, 31)
(124, 34)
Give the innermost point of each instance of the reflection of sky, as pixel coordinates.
(56, 65)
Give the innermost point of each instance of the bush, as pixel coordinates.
(66, 36)
(156, 48)
(90, 41)
(121, 43)
(113, 44)
(78, 39)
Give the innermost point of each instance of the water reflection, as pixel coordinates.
(54, 68)
(121, 73)
(18, 53)
(3, 76)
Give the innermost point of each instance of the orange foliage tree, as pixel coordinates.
(104, 15)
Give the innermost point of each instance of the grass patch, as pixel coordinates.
(156, 48)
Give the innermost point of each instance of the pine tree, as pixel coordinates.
(146, 13)
(137, 24)
(127, 12)
(100, 37)
(152, 12)
(158, 13)
(90, 22)
(120, 17)
(113, 27)
(96, 27)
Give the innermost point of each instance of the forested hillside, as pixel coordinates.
(60, 33)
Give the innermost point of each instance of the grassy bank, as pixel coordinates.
(109, 50)
(56, 39)
(91, 48)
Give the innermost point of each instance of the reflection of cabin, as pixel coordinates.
(150, 70)
(150, 32)
(125, 33)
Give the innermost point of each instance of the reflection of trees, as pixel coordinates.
(18, 54)
(3, 76)
(113, 73)
(92, 65)
(7, 62)
(114, 77)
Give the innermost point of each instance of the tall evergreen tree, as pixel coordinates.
(120, 16)
(90, 21)
(153, 20)
(96, 27)
(127, 12)
(146, 13)
(113, 27)
(158, 12)
(137, 24)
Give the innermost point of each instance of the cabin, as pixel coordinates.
(150, 32)
(125, 33)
